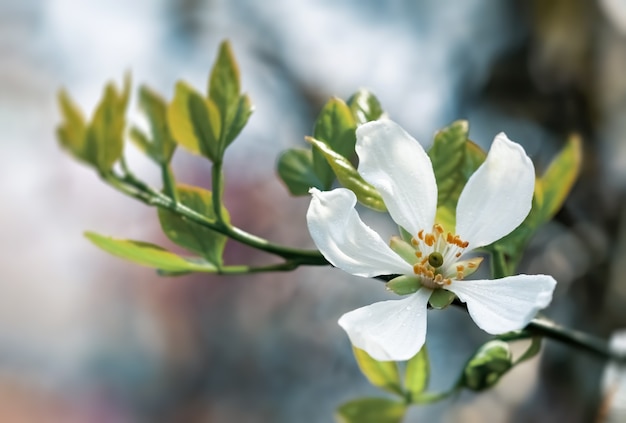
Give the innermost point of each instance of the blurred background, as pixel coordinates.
(85, 337)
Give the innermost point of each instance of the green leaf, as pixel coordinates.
(161, 147)
(234, 126)
(335, 127)
(194, 122)
(383, 374)
(348, 176)
(454, 159)
(558, 179)
(71, 132)
(105, 133)
(224, 86)
(194, 237)
(417, 374)
(149, 255)
(224, 90)
(295, 168)
(364, 107)
(487, 366)
(371, 410)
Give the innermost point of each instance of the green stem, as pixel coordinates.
(548, 329)
(147, 195)
(169, 182)
(217, 184)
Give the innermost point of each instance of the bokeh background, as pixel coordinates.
(85, 337)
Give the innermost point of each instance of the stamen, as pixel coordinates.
(438, 228)
(414, 242)
(420, 234)
(457, 255)
(429, 239)
(418, 254)
(471, 264)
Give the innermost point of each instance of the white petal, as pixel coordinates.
(503, 305)
(389, 330)
(498, 196)
(345, 240)
(398, 167)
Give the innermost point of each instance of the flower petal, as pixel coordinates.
(503, 305)
(398, 167)
(389, 330)
(498, 196)
(345, 240)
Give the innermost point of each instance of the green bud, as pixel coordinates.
(487, 366)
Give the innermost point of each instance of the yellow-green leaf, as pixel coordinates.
(383, 374)
(147, 254)
(71, 132)
(194, 122)
(417, 374)
(558, 179)
(190, 235)
(105, 133)
(295, 168)
(365, 107)
(335, 126)
(371, 410)
(454, 159)
(348, 176)
(161, 146)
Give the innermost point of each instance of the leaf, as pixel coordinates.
(364, 107)
(371, 410)
(383, 374)
(487, 366)
(243, 111)
(417, 374)
(161, 147)
(335, 127)
(454, 159)
(558, 179)
(224, 90)
(190, 235)
(295, 168)
(146, 254)
(104, 137)
(194, 122)
(71, 132)
(224, 84)
(348, 176)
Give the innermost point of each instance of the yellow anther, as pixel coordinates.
(429, 239)
(438, 278)
(465, 244)
(420, 234)
(449, 238)
(418, 254)
(471, 264)
(414, 242)
(458, 254)
(460, 268)
(438, 228)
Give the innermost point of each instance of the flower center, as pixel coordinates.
(437, 256)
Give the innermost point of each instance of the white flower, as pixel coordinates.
(495, 200)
